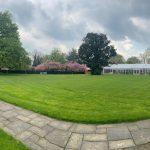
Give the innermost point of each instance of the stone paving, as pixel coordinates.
(39, 132)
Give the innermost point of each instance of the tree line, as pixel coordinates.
(56, 55)
(73, 56)
(95, 51)
(143, 58)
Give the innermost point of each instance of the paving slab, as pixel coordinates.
(121, 144)
(23, 118)
(4, 107)
(101, 130)
(24, 135)
(34, 138)
(75, 141)
(58, 137)
(129, 148)
(38, 131)
(5, 122)
(144, 147)
(13, 119)
(24, 112)
(1, 125)
(10, 131)
(9, 114)
(118, 133)
(39, 122)
(47, 145)
(133, 128)
(18, 126)
(60, 125)
(47, 128)
(95, 137)
(94, 146)
(145, 124)
(106, 126)
(82, 128)
(141, 136)
(32, 145)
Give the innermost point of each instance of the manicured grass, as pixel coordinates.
(9, 143)
(80, 98)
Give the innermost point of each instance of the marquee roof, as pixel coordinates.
(128, 66)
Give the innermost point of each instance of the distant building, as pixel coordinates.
(127, 69)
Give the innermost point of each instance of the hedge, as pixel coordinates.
(38, 72)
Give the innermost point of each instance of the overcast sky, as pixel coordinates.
(47, 24)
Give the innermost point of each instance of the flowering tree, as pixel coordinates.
(76, 67)
(41, 67)
(56, 66)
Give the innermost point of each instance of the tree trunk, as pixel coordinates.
(96, 71)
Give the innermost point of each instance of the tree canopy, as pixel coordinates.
(37, 58)
(56, 55)
(73, 56)
(118, 59)
(95, 51)
(12, 54)
(133, 60)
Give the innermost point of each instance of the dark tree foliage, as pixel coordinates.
(95, 52)
(37, 58)
(118, 59)
(12, 54)
(73, 56)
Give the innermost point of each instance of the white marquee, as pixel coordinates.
(127, 69)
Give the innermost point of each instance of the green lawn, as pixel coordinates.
(80, 98)
(8, 143)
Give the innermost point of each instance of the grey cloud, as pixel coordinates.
(113, 15)
(51, 23)
(22, 10)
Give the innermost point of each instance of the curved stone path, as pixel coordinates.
(43, 133)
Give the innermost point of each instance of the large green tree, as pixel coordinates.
(133, 60)
(56, 55)
(73, 56)
(95, 52)
(12, 54)
(118, 59)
